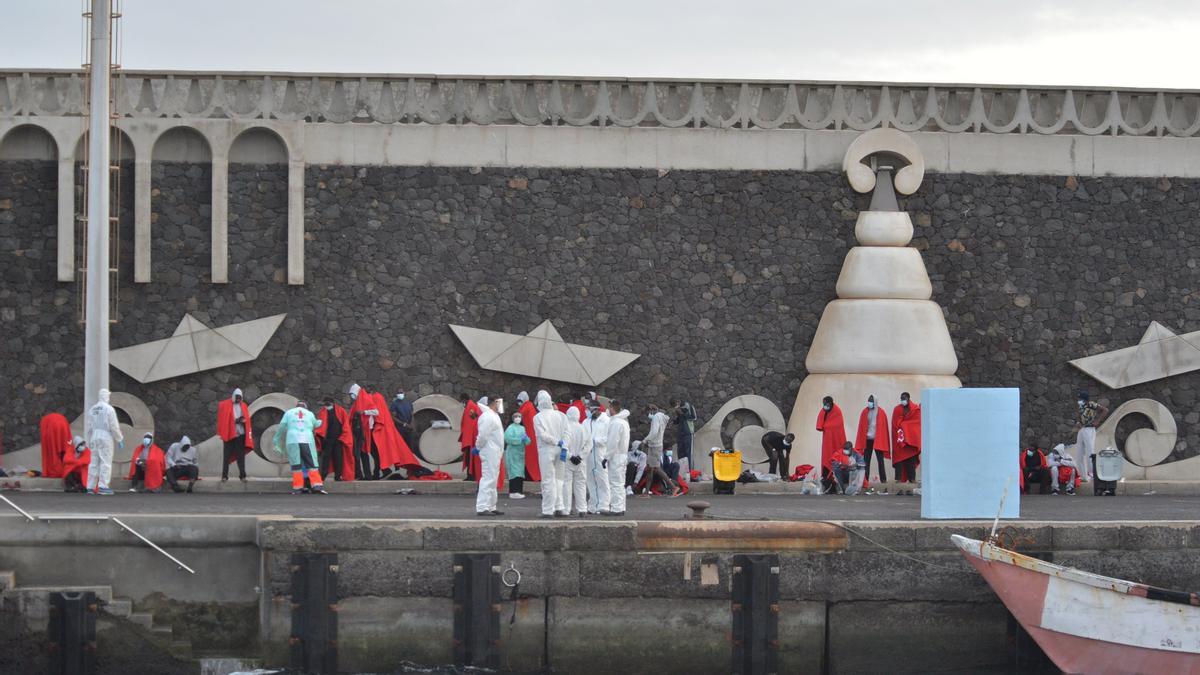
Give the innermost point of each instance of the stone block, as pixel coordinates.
(667, 575)
(1078, 537)
(529, 536)
(395, 574)
(296, 535)
(459, 537)
(875, 637)
(602, 537)
(1152, 536)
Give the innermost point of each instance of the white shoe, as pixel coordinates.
(628, 490)
(516, 495)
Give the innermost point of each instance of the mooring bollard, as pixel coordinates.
(72, 633)
(698, 508)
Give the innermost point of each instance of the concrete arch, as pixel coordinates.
(181, 169)
(257, 177)
(122, 149)
(28, 141)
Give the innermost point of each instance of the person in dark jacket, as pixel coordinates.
(685, 429)
(402, 415)
(779, 450)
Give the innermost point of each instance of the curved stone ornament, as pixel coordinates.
(747, 439)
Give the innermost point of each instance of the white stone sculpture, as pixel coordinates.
(883, 335)
(194, 347)
(542, 353)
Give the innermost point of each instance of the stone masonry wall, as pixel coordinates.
(716, 278)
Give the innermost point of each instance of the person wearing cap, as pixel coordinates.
(1090, 416)
(295, 434)
(75, 466)
(235, 430)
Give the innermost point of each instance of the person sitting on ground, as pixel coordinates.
(843, 471)
(75, 466)
(181, 463)
(147, 466)
(1062, 470)
(1034, 470)
(635, 467)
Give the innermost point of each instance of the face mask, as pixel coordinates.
(329, 406)
(650, 417)
(146, 442)
(1082, 403)
(353, 396)
(400, 396)
(904, 402)
(827, 407)
(517, 420)
(846, 453)
(871, 405)
(1029, 452)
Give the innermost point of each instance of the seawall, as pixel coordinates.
(593, 597)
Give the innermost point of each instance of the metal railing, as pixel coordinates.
(98, 518)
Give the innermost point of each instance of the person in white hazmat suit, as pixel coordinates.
(103, 431)
(618, 457)
(573, 495)
(550, 427)
(295, 430)
(489, 444)
(597, 425)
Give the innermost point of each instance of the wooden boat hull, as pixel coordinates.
(1087, 623)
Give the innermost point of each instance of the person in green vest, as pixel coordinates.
(295, 435)
(515, 440)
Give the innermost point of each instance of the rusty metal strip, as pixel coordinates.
(741, 536)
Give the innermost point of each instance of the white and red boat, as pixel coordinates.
(1087, 623)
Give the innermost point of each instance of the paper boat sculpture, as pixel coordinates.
(1160, 353)
(542, 353)
(195, 347)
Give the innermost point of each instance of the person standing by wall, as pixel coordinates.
(364, 414)
(234, 428)
(573, 495)
(295, 435)
(103, 431)
(528, 411)
(335, 440)
(490, 448)
(550, 425)
(906, 442)
(515, 440)
(402, 414)
(468, 430)
(685, 430)
(873, 437)
(597, 425)
(833, 435)
(618, 457)
(1090, 416)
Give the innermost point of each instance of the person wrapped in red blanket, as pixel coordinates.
(75, 466)
(147, 466)
(906, 442)
(56, 444)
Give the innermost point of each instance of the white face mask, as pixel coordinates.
(904, 403)
(827, 407)
(146, 442)
(871, 405)
(1082, 403)
(399, 397)
(517, 420)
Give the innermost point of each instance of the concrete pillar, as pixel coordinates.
(66, 215)
(295, 237)
(141, 217)
(220, 215)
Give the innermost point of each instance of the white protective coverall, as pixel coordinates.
(550, 427)
(103, 432)
(618, 457)
(597, 472)
(573, 490)
(490, 443)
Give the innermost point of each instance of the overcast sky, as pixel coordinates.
(1119, 43)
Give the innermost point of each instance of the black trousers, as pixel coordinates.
(191, 472)
(515, 485)
(235, 450)
(139, 474)
(906, 471)
(879, 457)
(1036, 476)
(364, 451)
(779, 459)
(71, 483)
(331, 458)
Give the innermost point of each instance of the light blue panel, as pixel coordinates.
(970, 442)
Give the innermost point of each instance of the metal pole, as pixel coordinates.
(95, 364)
